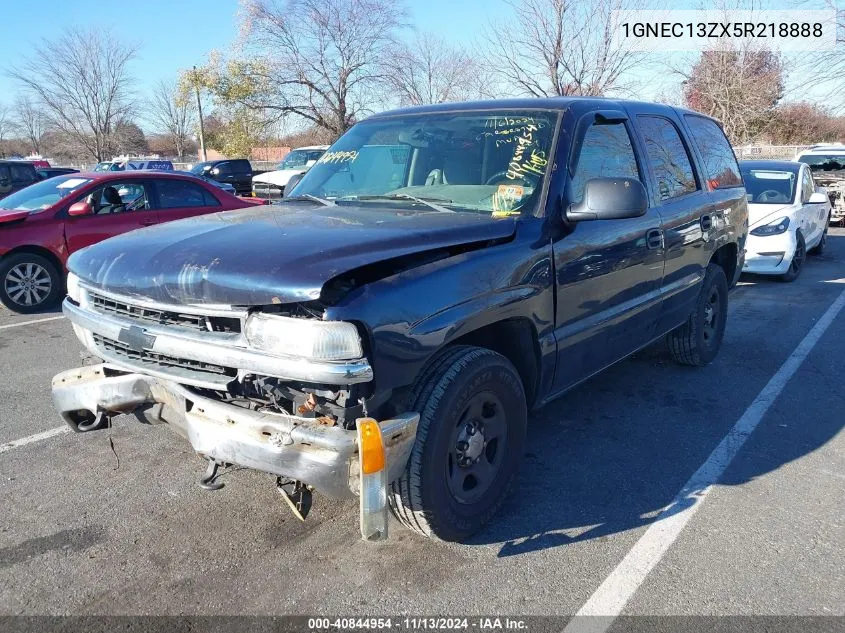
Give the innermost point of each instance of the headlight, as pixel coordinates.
(73, 290)
(306, 338)
(772, 228)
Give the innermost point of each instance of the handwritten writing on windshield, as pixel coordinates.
(527, 159)
(507, 130)
(338, 157)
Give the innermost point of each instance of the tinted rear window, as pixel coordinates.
(719, 161)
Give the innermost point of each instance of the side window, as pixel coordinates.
(119, 197)
(181, 194)
(4, 172)
(605, 153)
(807, 188)
(23, 173)
(225, 168)
(719, 159)
(241, 166)
(668, 157)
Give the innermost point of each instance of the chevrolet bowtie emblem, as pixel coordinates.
(136, 338)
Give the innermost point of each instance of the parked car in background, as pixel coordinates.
(49, 172)
(136, 164)
(787, 217)
(271, 185)
(827, 162)
(15, 175)
(236, 172)
(40, 226)
(225, 186)
(438, 274)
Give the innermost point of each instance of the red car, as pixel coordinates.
(41, 225)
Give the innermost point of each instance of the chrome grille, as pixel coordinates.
(199, 322)
(267, 191)
(160, 362)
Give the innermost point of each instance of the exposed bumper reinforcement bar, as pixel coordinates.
(321, 456)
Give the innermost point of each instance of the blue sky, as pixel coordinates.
(175, 34)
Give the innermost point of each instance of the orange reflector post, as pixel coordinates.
(371, 446)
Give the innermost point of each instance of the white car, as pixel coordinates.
(827, 162)
(271, 185)
(787, 217)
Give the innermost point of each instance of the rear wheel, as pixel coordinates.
(698, 340)
(470, 439)
(797, 263)
(29, 283)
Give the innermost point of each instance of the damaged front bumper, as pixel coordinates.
(325, 457)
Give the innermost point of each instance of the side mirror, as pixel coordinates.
(80, 208)
(215, 171)
(818, 198)
(610, 199)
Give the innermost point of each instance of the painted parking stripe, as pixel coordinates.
(44, 435)
(617, 589)
(22, 323)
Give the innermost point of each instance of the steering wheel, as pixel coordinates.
(503, 175)
(769, 195)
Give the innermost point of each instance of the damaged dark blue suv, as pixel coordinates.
(440, 272)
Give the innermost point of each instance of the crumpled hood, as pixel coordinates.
(269, 254)
(765, 213)
(279, 177)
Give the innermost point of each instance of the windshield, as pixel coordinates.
(824, 162)
(43, 194)
(201, 168)
(489, 162)
(103, 166)
(769, 187)
(299, 158)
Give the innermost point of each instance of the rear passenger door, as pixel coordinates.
(176, 199)
(608, 271)
(685, 209)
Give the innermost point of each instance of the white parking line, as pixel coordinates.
(44, 320)
(59, 430)
(617, 589)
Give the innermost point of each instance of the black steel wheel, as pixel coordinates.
(470, 439)
(697, 342)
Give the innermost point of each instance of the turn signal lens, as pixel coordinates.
(371, 446)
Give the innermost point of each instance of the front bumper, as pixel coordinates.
(300, 448)
(770, 255)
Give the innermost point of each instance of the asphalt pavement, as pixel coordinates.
(114, 522)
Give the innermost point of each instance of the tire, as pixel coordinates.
(798, 259)
(697, 341)
(464, 387)
(29, 283)
(818, 249)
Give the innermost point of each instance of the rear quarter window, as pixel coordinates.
(720, 164)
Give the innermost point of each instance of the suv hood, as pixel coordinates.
(765, 213)
(270, 254)
(279, 177)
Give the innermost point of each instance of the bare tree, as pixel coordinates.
(172, 112)
(559, 47)
(5, 127)
(81, 81)
(321, 60)
(429, 70)
(740, 86)
(29, 121)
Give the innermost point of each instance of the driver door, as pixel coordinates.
(110, 220)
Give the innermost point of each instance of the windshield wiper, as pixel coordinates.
(308, 196)
(431, 203)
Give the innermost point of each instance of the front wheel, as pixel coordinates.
(470, 439)
(697, 341)
(797, 263)
(29, 283)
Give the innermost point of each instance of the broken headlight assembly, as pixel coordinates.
(772, 228)
(305, 338)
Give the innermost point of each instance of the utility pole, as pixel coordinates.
(199, 112)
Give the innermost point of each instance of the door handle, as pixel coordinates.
(706, 222)
(654, 239)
